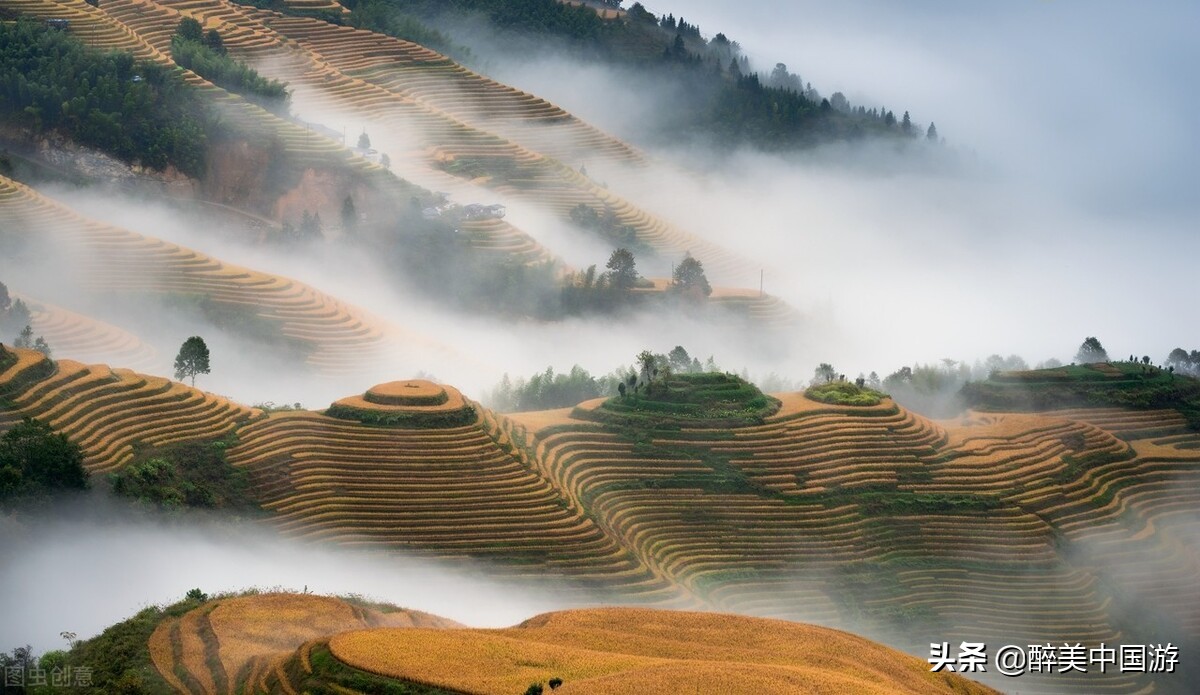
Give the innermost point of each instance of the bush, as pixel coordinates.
(844, 393)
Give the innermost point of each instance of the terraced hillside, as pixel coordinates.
(110, 413)
(415, 466)
(238, 644)
(332, 336)
(451, 119)
(291, 643)
(80, 337)
(1024, 528)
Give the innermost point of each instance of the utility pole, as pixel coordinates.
(760, 283)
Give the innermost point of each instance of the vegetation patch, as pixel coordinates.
(329, 675)
(1113, 384)
(137, 111)
(195, 474)
(844, 393)
(410, 419)
(35, 461)
(713, 399)
(205, 55)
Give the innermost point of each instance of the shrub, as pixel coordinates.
(844, 393)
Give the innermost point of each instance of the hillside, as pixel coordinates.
(1070, 524)
(267, 171)
(289, 643)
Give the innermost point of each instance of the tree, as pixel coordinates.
(5, 300)
(196, 595)
(213, 40)
(364, 141)
(192, 359)
(824, 373)
(385, 161)
(25, 339)
(906, 125)
(1091, 351)
(689, 278)
(534, 689)
(554, 683)
(42, 346)
(190, 30)
(622, 269)
(33, 456)
(310, 226)
(680, 360)
(931, 135)
(349, 214)
(646, 362)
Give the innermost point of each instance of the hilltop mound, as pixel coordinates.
(289, 643)
(413, 403)
(1119, 384)
(713, 398)
(621, 650)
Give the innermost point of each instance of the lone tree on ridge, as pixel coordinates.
(192, 359)
(1091, 351)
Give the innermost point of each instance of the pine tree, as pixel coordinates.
(364, 141)
(906, 125)
(931, 135)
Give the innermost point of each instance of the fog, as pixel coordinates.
(1061, 207)
(89, 563)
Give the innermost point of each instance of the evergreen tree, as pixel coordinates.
(622, 269)
(1091, 351)
(931, 135)
(5, 299)
(192, 359)
(213, 40)
(689, 278)
(906, 125)
(190, 30)
(364, 141)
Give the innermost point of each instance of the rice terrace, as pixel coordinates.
(504, 347)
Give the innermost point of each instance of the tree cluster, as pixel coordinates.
(1184, 362)
(204, 54)
(137, 111)
(544, 391)
(35, 460)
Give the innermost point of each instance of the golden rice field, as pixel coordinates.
(993, 526)
(235, 644)
(109, 412)
(622, 650)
